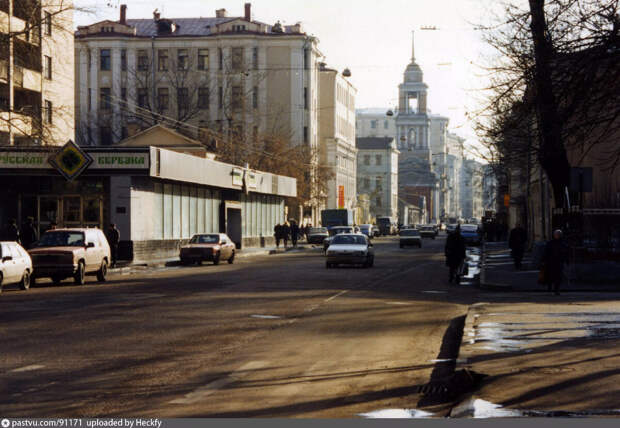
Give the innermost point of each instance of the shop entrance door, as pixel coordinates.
(48, 212)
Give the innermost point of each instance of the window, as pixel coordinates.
(162, 60)
(163, 98)
(182, 59)
(237, 59)
(90, 99)
(378, 160)
(105, 61)
(104, 98)
(48, 24)
(366, 183)
(105, 135)
(238, 28)
(203, 98)
(373, 124)
(143, 99)
(124, 59)
(386, 124)
(47, 112)
(255, 58)
(203, 59)
(366, 159)
(255, 97)
(378, 201)
(182, 99)
(237, 97)
(305, 134)
(379, 183)
(305, 98)
(143, 60)
(307, 59)
(255, 134)
(47, 67)
(124, 94)
(220, 58)
(220, 97)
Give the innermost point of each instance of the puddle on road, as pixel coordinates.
(481, 409)
(397, 414)
(266, 317)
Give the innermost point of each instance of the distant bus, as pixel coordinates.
(386, 226)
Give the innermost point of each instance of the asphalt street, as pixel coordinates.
(272, 336)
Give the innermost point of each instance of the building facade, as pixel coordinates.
(377, 174)
(472, 178)
(36, 74)
(337, 137)
(375, 122)
(231, 75)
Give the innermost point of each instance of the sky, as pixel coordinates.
(370, 37)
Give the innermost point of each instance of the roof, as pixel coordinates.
(374, 143)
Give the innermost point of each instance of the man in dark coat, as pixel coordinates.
(277, 234)
(29, 233)
(294, 233)
(114, 237)
(516, 242)
(286, 233)
(10, 232)
(455, 252)
(554, 258)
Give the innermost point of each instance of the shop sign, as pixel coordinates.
(23, 160)
(251, 180)
(120, 160)
(237, 177)
(340, 197)
(70, 160)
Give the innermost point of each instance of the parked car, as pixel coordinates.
(336, 230)
(211, 247)
(351, 249)
(368, 230)
(410, 237)
(451, 227)
(15, 265)
(471, 234)
(375, 231)
(66, 253)
(317, 235)
(428, 232)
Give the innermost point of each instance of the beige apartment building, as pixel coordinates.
(207, 74)
(36, 74)
(337, 137)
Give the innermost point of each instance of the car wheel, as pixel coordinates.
(56, 280)
(231, 260)
(24, 284)
(79, 276)
(102, 272)
(216, 259)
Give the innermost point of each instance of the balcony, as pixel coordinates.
(4, 71)
(20, 124)
(27, 79)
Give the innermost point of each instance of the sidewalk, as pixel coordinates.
(127, 267)
(498, 273)
(548, 358)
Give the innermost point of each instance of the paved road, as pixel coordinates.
(277, 336)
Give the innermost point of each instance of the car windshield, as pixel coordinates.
(318, 230)
(339, 230)
(61, 239)
(469, 228)
(349, 240)
(205, 239)
(410, 232)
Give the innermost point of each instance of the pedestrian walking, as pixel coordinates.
(286, 233)
(516, 242)
(277, 234)
(294, 233)
(10, 232)
(554, 259)
(455, 253)
(28, 233)
(114, 237)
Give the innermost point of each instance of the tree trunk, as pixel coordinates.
(553, 156)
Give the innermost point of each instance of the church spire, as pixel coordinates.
(412, 46)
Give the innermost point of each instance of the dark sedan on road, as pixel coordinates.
(350, 249)
(209, 247)
(410, 237)
(317, 235)
(428, 231)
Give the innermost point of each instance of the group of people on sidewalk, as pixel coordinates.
(554, 257)
(290, 231)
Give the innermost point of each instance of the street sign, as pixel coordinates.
(70, 160)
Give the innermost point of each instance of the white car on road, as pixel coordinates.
(350, 249)
(15, 265)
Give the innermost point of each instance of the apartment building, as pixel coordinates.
(337, 137)
(222, 73)
(377, 174)
(36, 74)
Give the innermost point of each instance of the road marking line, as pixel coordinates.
(335, 295)
(27, 368)
(199, 393)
